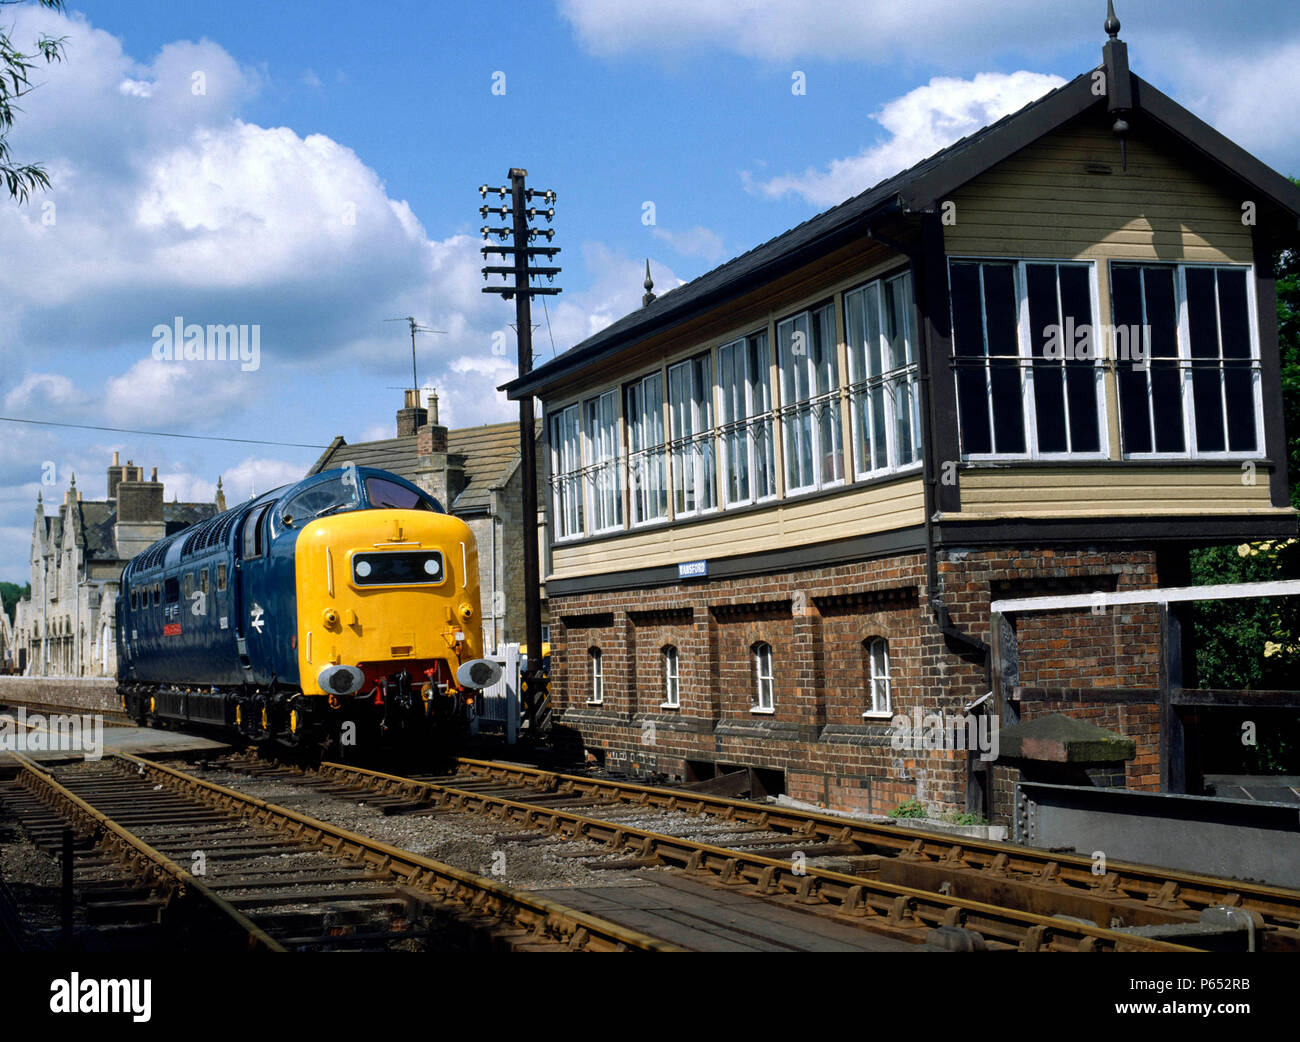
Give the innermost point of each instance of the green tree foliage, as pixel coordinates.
(11, 594)
(15, 82)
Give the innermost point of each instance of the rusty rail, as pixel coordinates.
(1142, 894)
(539, 916)
(897, 910)
(137, 856)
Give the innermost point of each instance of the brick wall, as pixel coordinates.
(819, 622)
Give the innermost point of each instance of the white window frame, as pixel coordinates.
(604, 467)
(746, 433)
(764, 679)
(1188, 410)
(892, 376)
(1025, 359)
(791, 411)
(596, 673)
(878, 675)
(651, 457)
(566, 473)
(692, 444)
(672, 678)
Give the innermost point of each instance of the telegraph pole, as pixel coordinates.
(523, 271)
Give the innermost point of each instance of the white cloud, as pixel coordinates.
(39, 393)
(239, 482)
(694, 242)
(917, 125)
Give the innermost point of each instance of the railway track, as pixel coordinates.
(776, 864)
(1046, 882)
(265, 878)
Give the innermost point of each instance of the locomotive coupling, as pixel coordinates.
(478, 673)
(341, 680)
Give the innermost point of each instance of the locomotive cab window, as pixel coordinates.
(317, 501)
(384, 493)
(254, 540)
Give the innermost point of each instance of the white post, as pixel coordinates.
(510, 677)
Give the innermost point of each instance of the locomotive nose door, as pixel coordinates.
(248, 616)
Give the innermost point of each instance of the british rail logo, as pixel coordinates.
(96, 995)
(38, 733)
(938, 731)
(182, 342)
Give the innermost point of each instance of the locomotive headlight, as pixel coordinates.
(478, 673)
(340, 680)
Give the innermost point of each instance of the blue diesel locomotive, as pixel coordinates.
(340, 609)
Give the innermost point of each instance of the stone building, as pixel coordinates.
(784, 497)
(8, 654)
(65, 627)
(474, 473)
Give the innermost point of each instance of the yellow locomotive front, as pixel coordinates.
(388, 627)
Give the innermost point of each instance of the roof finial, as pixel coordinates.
(649, 285)
(1112, 23)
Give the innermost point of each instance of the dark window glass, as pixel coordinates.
(1166, 374)
(157, 593)
(253, 537)
(985, 327)
(1238, 374)
(1081, 386)
(135, 600)
(1049, 373)
(968, 345)
(319, 500)
(1004, 358)
(1134, 405)
(172, 590)
(384, 493)
(221, 577)
(1207, 376)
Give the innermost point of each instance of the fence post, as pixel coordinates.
(1173, 743)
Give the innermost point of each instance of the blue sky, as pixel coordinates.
(324, 178)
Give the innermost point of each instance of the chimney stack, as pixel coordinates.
(410, 418)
